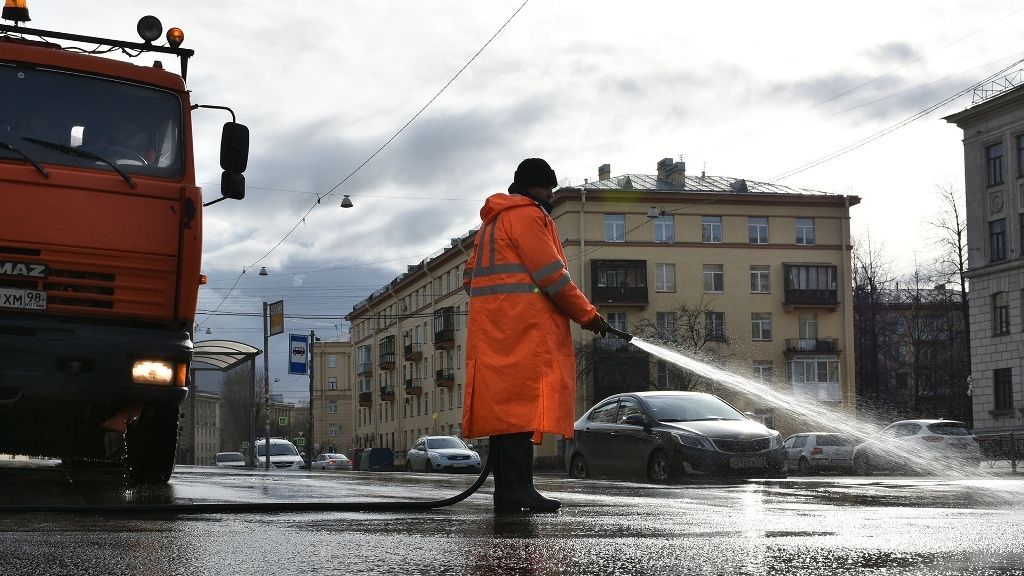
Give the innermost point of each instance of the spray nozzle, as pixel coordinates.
(621, 334)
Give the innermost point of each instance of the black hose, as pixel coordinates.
(254, 507)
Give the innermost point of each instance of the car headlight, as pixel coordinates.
(435, 456)
(692, 440)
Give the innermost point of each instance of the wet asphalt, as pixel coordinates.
(800, 525)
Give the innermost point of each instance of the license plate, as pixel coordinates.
(22, 299)
(460, 465)
(754, 462)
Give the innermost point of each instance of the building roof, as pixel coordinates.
(700, 183)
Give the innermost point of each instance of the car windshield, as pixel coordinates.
(443, 443)
(950, 429)
(690, 408)
(136, 128)
(277, 450)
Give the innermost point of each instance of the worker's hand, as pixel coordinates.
(598, 325)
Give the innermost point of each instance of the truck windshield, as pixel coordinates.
(136, 128)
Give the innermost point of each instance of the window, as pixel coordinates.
(605, 413)
(1020, 155)
(1000, 313)
(332, 407)
(665, 229)
(808, 326)
(994, 165)
(332, 383)
(805, 231)
(664, 277)
(711, 229)
(997, 240)
(617, 320)
(760, 279)
(1002, 388)
(757, 229)
(761, 326)
(816, 377)
(666, 324)
(1022, 233)
(614, 228)
(714, 278)
(762, 371)
(332, 361)
(714, 324)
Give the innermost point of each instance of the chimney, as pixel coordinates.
(676, 174)
(604, 171)
(663, 166)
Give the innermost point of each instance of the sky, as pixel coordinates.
(420, 109)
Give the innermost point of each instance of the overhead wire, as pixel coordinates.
(320, 197)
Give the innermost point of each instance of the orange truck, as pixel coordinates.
(100, 244)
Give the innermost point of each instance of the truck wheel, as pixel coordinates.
(151, 443)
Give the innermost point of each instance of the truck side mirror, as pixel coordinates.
(232, 186)
(234, 147)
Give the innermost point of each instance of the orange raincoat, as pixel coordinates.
(520, 362)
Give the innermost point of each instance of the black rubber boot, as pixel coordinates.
(493, 456)
(516, 457)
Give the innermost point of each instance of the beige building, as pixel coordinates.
(768, 267)
(333, 398)
(994, 187)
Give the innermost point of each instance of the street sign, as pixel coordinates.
(300, 441)
(298, 344)
(282, 420)
(276, 310)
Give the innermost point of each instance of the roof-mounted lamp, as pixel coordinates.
(346, 202)
(149, 28)
(263, 271)
(655, 213)
(16, 11)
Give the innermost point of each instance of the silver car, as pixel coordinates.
(331, 461)
(441, 454)
(813, 452)
(929, 446)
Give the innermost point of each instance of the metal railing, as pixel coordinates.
(1007, 446)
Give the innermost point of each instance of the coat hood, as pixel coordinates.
(498, 203)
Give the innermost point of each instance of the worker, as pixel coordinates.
(520, 362)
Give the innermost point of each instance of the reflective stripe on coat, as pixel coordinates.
(520, 362)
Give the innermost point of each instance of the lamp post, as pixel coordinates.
(266, 386)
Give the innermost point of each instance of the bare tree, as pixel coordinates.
(950, 267)
(877, 357)
(238, 395)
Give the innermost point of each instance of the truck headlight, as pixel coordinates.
(160, 372)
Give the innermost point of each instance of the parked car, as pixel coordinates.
(283, 454)
(662, 436)
(441, 454)
(377, 460)
(918, 445)
(813, 452)
(230, 459)
(331, 461)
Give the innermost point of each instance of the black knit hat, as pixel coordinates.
(535, 172)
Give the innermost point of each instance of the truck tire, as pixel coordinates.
(151, 443)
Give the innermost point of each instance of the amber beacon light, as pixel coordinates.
(16, 10)
(175, 36)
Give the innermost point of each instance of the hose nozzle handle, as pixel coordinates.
(621, 334)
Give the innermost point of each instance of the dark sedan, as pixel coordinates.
(662, 436)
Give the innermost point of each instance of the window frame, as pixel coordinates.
(663, 281)
(711, 229)
(997, 249)
(1000, 313)
(760, 277)
(752, 227)
(711, 276)
(617, 222)
(801, 227)
(665, 229)
(1002, 389)
(761, 326)
(994, 164)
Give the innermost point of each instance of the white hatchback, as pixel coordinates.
(919, 445)
(283, 455)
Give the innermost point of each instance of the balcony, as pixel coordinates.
(413, 386)
(387, 393)
(619, 282)
(810, 286)
(445, 378)
(364, 369)
(387, 353)
(365, 399)
(444, 328)
(811, 298)
(413, 352)
(812, 345)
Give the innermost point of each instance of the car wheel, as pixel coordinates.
(804, 467)
(428, 468)
(862, 465)
(658, 468)
(578, 467)
(408, 466)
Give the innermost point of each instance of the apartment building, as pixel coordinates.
(767, 265)
(994, 187)
(333, 429)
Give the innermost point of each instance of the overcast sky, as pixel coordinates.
(748, 90)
